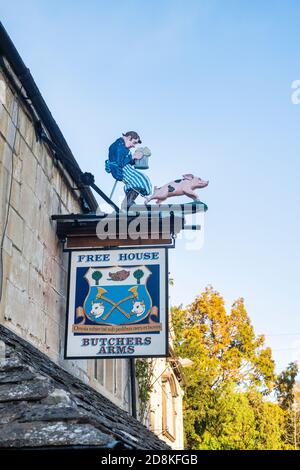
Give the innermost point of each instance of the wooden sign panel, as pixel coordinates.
(117, 303)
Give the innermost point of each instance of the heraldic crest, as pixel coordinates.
(117, 295)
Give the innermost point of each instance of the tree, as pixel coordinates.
(289, 399)
(228, 361)
(97, 276)
(230, 422)
(138, 274)
(285, 383)
(226, 343)
(296, 417)
(269, 422)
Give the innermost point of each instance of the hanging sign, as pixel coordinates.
(117, 303)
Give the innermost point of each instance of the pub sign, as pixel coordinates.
(117, 303)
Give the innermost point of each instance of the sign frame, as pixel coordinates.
(166, 353)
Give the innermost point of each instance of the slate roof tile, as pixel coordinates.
(42, 406)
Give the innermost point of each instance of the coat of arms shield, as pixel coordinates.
(117, 295)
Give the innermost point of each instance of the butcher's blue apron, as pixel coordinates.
(133, 179)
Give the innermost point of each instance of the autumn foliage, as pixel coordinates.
(226, 403)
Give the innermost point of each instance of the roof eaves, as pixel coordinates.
(9, 51)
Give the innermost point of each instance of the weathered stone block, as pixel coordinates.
(38, 149)
(56, 179)
(52, 334)
(17, 145)
(25, 127)
(51, 412)
(33, 249)
(31, 390)
(2, 350)
(7, 246)
(53, 355)
(48, 268)
(29, 207)
(18, 274)
(64, 193)
(3, 205)
(4, 118)
(55, 203)
(9, 364)
(47, 232)
(2, 145)
(3, 197)
(29, 238)
(15, 195)
(36, 286)
(12, 412)
(54, 305)
(15, 376)
(60, 278)
(40, 434)
(73, 205)
(34, 321)
(6, 94)
(58, 397)
(2, 93)
(15, 229)
(41, 187)
(29, 165)
(16, 305)
(47, 165)
(37, 258)
(6, 155)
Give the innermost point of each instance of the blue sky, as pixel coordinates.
(207, 84)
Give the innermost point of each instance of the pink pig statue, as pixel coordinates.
(178, 188)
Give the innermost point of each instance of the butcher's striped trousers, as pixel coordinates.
(133, 179)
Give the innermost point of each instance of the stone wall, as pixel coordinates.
(33, 186)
